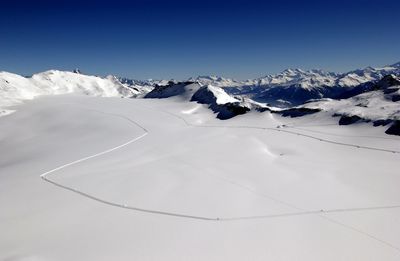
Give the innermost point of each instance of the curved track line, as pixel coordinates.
(319, 213)
(45, 177)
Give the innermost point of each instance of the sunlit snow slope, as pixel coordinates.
(256, 187)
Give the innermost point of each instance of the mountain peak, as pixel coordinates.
(292, 71)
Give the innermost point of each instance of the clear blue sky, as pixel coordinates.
(178, 39)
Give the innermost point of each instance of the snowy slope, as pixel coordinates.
(380, 105)
(271, 190)
(15, 89)
(163, 179)
(374, 105)
(63, 82)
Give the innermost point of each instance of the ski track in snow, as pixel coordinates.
(45, 175)
(320, 213)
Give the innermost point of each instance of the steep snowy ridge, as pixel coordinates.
(220, 95)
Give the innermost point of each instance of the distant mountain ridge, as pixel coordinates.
(295, 86)
(306, 78)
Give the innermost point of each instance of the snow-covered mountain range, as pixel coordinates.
(295, 86)
(15, 88)
(305, 79)
(287, 92)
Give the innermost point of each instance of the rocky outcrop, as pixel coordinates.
(220, 102)
(394, 129)
(298, 112)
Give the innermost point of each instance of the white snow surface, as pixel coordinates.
(309, 191)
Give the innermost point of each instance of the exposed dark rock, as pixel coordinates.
(394, 129)
(382, 122)
(396, 97)
(298, 112)
(386, 82)
(204, 96)
(362, 105)
(347, 120)
(169, 90)
(336, 115)
(229, 110)
(390, 90)
(365, 87)
(264, 109)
